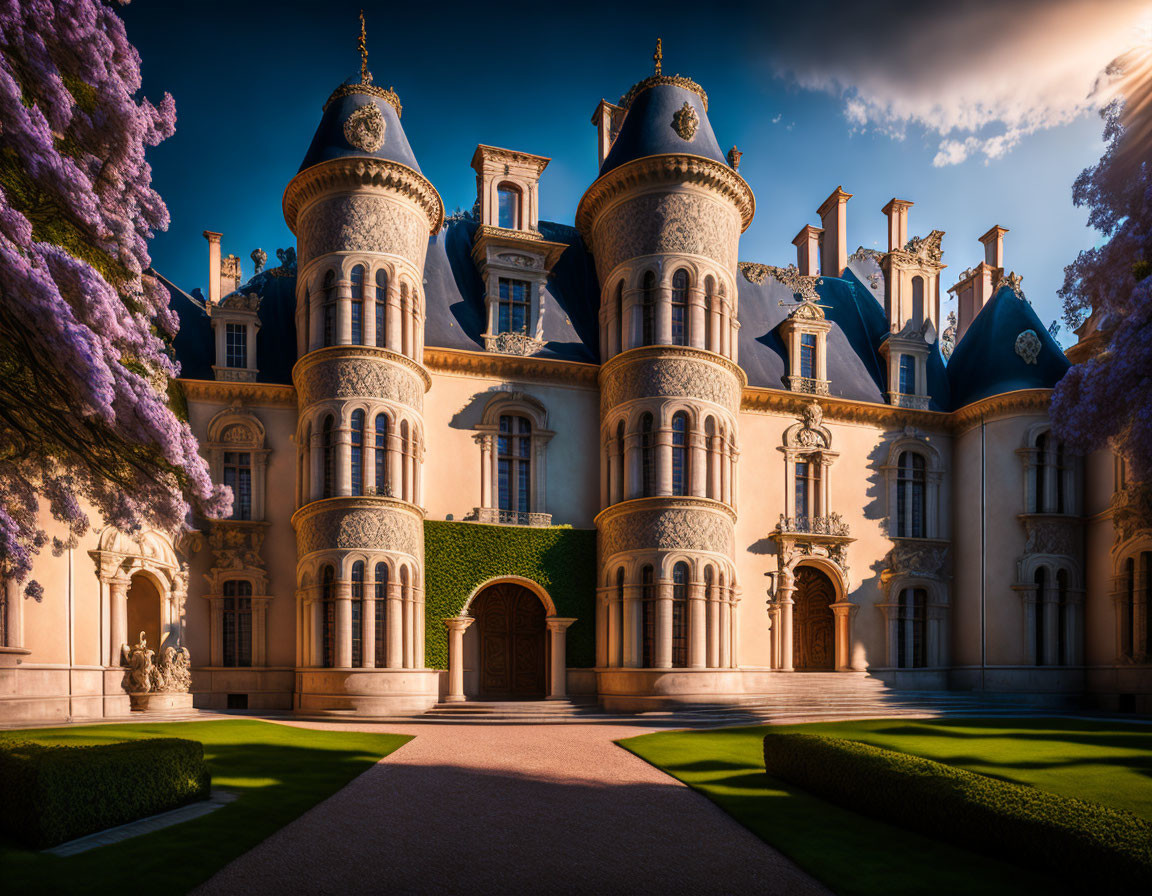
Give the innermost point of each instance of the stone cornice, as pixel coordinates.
(512, 367)
(668, 168)
(355, 173)
(660, 352)
(354, 502)
(663, 502)
(1022, 401)
(273, 394)
(358, 352)
(842, 410)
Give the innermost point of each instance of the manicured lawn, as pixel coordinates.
(279, 772)
(1106, 763)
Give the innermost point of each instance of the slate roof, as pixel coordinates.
(329, 141)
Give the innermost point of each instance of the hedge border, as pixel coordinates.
(1095, 844)
(461, 556)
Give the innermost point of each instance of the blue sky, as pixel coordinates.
(249, 81)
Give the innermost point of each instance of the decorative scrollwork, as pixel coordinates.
(1028, 346)
(686, 121)
(365, 128)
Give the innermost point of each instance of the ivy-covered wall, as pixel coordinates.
(458, 557)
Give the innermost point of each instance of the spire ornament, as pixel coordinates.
(365, 75)
(658, 56)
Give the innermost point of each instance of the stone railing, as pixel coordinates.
(808, 385)
(510, 517)
(831, 524)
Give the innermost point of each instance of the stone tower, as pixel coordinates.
(362, 213)
(664, 221)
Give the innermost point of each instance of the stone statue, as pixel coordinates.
(172, 675)
(259, 258)
(141, 670)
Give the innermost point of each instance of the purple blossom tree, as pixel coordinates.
(85, 369)
(1107, 399)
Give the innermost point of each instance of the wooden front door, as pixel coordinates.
(813, 625)
(510, 619)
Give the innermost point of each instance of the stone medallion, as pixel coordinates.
(685, 121)
(1028, 346)
(364, 128)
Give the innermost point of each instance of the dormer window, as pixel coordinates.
(907, 355)
(235, 322)
(508, 198)
(808, 355)
(805, 333)
(907, 375)
(515, 302)
(235, 346)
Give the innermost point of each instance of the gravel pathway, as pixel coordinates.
(495, 809)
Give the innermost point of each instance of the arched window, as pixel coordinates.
(807, 492)
(357, 452)
(621, 455)
(680, 615)
(647, 457)
(514, 463)
(329, 309)
(238, 477)
(648, 616)
(711, 479)
(358, 305)
(236, 623)
(328, 456)
(709, 307)
(621, 335)
(911, 489)
(1041, 580)
(328, 611)
(357, 613)
(680, 307)
(679, 453)
(648, 310)
(907, 375)
(381, 308)
(381, 455)
(508, 207)
(912, 630)
(381, 620)
(917, 303)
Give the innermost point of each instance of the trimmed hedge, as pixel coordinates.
(458, 557)
(52, 794)
(1097, 845)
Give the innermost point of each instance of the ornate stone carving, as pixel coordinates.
(666, 223)
(358, 526)
(1012, 281)
(236, 547)
(912, 557)
(363, 223)
(671, 377)
(921, 250)
(1052, 535)
(674, 80)
(365, 127)
(520, 261)
(801, 285)
(1028, 346)
(808, 384)
(237, 433)
(811, 432)
(914, 402)
(287, 259)
(513, 344)
(359, 378)
(863, 254)
(1131, 512)
(674, 529)
(259, 259)
(230, 269)
(685, 121)
(734, 158)
(172, 675)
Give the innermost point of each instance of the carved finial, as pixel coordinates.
(365, 75)
(658, 56)
(734, 158)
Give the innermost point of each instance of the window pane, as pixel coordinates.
(235, 345)
(808, 355)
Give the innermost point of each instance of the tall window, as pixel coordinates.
(381, 620)
(911, 479)
(648, 616)
(680, 615)
(235, 345)
(621, 335)
(680, 453)
(381, 308)
(621, 459)
(329, 308)
(381, 455)
(807, 491)
(405, 320)
(911, 633)
(357, 613)
(358, 305)
(238, 477)
(357, 452)
(709, 307)
(647, 457)
(513, 310)
(514, 463)
(648, 310)
(508, 207)
(236, 624)
(808, 355)
(907, 375)
(328, 609)
(1041, 580)
(328, 456)
(680, 308)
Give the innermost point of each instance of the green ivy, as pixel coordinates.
(459, 557)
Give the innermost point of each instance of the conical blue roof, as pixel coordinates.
(331, 141)
(986, 361)
(649, 127)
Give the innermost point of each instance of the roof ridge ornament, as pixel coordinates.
(365, 75)
(365, 87)
(658, 77)
(658, 56)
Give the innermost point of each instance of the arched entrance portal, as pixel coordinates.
(814, 642)
(144, 612)
(512, 635)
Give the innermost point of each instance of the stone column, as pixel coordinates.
(395, 648)
(842, 611)
(663, 460)
(343, 652)
(725, 472)
(697, 464)
(664, 315)
(615, 630)
(663, 646)
(118, 592)
(485, 441)
(368, 630)
(343, 312)
(316, 462)
(1051, 599)
(1031, 607)
(601, 627)
(785, 603)
(396, 461)
(633, 463)
(697, 626)
(558, 667)
(317, 633)
(456, 626)
(409, 628)
(713, 659)
(632, 619)
(392, 316)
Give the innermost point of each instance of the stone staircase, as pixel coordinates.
(530, 711)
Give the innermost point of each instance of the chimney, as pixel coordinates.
(897, 212)
(834, 218)
(807, 243)
(607, 118)
(213, 266)
(993, 242)
(972, 294)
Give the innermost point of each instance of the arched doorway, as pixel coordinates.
(512, 633)
(144, 612)
(814, 642)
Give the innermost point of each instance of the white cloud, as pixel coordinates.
(978, 74)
